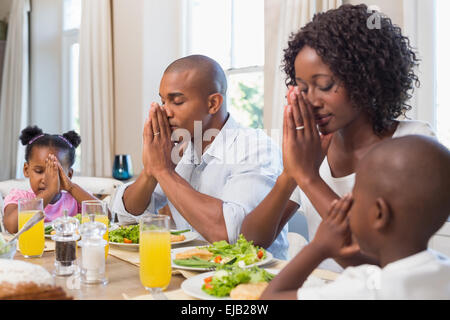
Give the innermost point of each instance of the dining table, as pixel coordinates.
(122, 273)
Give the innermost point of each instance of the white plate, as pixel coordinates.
(135, 246)
(190, 235)
(193, 286)
(269, 258)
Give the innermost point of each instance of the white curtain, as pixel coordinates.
(14, 91)
(282, 17)
(96, 88)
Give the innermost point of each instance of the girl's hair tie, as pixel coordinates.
(35, 138)
(67, 141)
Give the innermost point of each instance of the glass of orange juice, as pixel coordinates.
(32, 241)
(154, 253)
(99, 210)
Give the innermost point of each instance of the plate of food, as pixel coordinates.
(235, 283)
(48, 227)
(48, 230)
(229, 283)
(203, 258)
(127, 237)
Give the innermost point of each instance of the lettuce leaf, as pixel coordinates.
(129, 232)
(243, 250)
(223, 282)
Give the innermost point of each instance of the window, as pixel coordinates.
(232, 33)
(442, 71)
(425, 24)
(70, 70)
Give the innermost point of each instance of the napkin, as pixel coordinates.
(126, 255)
(185, 273)
(133, 258)
(171, 295)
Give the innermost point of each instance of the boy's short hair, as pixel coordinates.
(412, 173)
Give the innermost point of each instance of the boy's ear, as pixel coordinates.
(70, 173)
(25, 170)
(215, 102)
(383, 214)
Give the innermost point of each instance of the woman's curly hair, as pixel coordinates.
(376, 64)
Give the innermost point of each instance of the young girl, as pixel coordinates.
(49, 159)
(348, 84)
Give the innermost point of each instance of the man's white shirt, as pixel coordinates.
(240, 167)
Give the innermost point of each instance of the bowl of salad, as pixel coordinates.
(7, 250)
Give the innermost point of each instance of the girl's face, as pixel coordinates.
(34, 169)
(332, 107)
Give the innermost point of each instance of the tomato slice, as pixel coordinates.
(208, 280)
(217, 259)
(125, 240)
(208, 286)
(260, 254)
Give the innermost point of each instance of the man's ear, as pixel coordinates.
(383, 216)
(215, 102)
(26, 167)
(70, 173)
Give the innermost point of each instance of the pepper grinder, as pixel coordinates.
(93, 252)
(65, 238)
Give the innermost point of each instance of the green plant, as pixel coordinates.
(251, 102)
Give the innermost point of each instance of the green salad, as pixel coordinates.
(242, 253)
(125, 234)
(48, 229)
(3, 247)
(227, 278)
(130, 234)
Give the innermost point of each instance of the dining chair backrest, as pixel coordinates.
(7, 185)
(2, 228)
(296, 243)
(104, 188)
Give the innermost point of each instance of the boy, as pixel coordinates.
(400, 199)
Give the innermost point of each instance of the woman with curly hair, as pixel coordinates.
(347, 85)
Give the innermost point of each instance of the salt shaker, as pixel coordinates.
(65, 238)
(93, 252)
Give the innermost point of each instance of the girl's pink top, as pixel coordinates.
(52, 211)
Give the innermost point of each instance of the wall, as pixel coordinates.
(5, 7)
(147, 37)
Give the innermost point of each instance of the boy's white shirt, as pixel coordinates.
(425, 275)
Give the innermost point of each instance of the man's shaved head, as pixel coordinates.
(412, 174)
(206, 70)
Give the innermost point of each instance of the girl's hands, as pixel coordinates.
(334, 237)
(51, 178)
(304, 148)
(66, 183)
